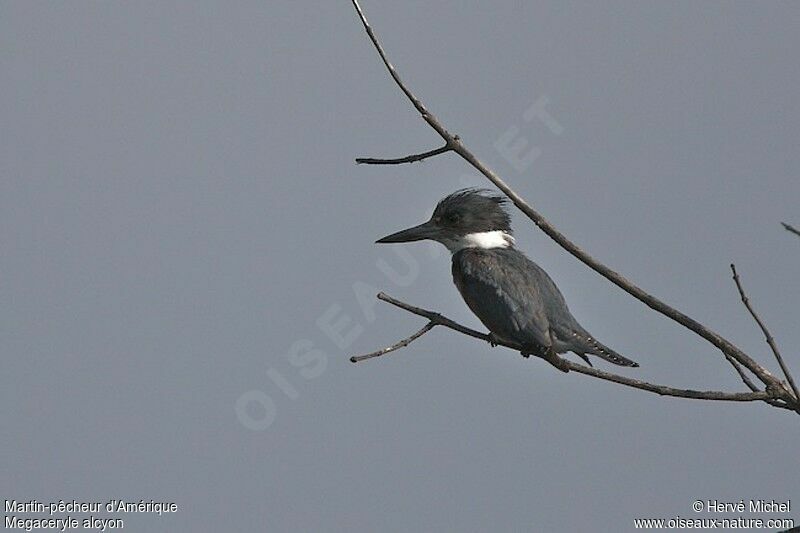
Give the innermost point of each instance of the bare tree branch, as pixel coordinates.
(437, 319)
(790, 229)
(739, 370)
(407, 159)
(396, 346)
(772, 383)
(770, 341)
(430, 119)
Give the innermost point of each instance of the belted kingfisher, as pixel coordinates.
(509, 293)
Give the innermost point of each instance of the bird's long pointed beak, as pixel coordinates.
(418, 233)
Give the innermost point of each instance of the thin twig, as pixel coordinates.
(651, 301)
(790, 229)
(413, 158)
(442, 320)
(740, 371)
(437, 319)
(396, 346)
(426, 115)
(770, 341)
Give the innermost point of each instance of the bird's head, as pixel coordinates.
(469, 218)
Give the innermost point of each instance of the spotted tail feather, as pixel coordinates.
(604, 352)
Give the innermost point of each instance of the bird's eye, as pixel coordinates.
(453, 218)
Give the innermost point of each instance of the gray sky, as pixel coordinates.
(182, 228)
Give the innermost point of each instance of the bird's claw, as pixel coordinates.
(546, 353)
(492, 340)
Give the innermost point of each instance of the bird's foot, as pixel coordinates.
(548, 354)
(530, 349)
(493, 340)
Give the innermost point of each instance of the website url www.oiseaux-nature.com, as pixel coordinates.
(739, 522)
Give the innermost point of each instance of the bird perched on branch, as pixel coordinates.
(508, 292)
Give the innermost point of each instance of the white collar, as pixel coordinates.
(484, 240)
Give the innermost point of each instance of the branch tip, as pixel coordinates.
(396, 346)
(413, 158)
(790, 228)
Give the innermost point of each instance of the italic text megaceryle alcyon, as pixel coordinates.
(508, 292)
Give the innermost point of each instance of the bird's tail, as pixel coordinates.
(604, 352)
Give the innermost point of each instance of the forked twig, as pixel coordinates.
(436, 319)
(739, 370)
(770, 340)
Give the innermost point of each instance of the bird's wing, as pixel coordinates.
(503, 292)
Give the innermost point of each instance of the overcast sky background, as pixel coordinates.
(180, 211)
